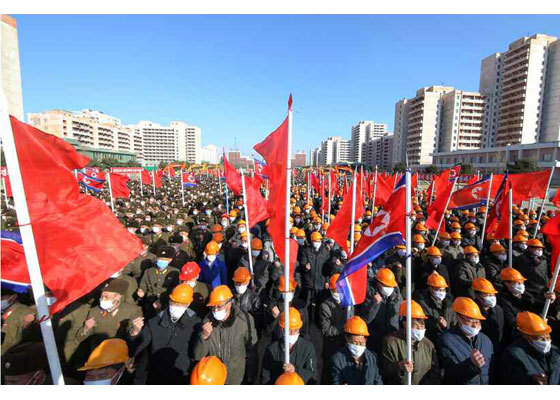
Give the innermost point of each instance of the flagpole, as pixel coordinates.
(353, 217)
(154, 182)
(110, 191)
(322, 186)
(141, 187)
(28, 241)
(408, 272)
(510, 250)
(183, 188)
(374, 190)
(247, 221)
(486, 209)
(551, 289)
(329, 210)
(444, 210)
(5, 193)
(287, 237)
(543, 201)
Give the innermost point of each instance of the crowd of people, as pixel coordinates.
(189, 309)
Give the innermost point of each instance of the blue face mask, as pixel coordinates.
(162, 264)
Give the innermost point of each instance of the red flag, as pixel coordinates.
(470, 196)
(499, 214)
(79, 241)
(384, 189)
(233, 178)
(341, 225)
(437, 209)
(7, 186)
(146, 177)
(529, 185)
(552, 231)
(556, 199)
(502, 227)
(274, 150)
(256, 204)
(158, 175)
(14, 267)
(119, 188)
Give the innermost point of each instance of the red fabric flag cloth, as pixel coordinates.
(158, 175)
(334, 182)
(274, 149)
(437, 209)
(341, 225)
(472, 180)
(14, 267)
(256, 204)
(497, 211)
(146, 177)
(80, 243)
(233, 178)
(384, 189)
(502, 226)
(529, 185)
(7, 186)
(315, 182)
(556, 199)
(470, 196)
(119, 188)
(552, 231)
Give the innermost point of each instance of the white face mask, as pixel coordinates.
(232, 219)
(435, 260)
(489, 301)
(356, 350)
(445, 243)
(177, 312)
(208, 212)
(469, 330)
(517, 288)
(288, 296)
(386, 291)
(522, 246)
(180, 222)
(292, 339)
(244, 244)
(474, 260)
(156, 229)
(106, 304)
(219, 315)
(420, 246)
(542, 346)
(241, 229)
(241, 288)
(439, 294)
(401, 252)
(502, 257)
(6, 304)
(255, 253)
(301, 242)
(192, 283)
(132, 230)
(225, 223)
(116, 275)
(537, 253)
(336, 296)
(316, 245)
(99, 382)
(50, 300)
(418, 334)
(211, 259)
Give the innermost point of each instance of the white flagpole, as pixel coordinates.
(544, 200)
(28, 240)
(183, 188)
(445, 209)
(322, 186)
(154, 182)
(408, 234)
(374, 189)
(141, 186)
(486, 210)
(5, 193)
(247, 221)
(330, 195)
(510, 250)
(551, 289)
(353, 217)
(110, 191)
(287, 237)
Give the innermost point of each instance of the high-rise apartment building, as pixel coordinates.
(379, 152)
(400, 131)
(335, 150)
(462, 120)
(209, 154)
(361, 133)
(299, 159)
(315, 156)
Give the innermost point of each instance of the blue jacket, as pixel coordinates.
(345, 371)
(215, 276)
(455, 352)
(521, 361)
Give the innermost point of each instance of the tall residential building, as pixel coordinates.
(10, 71)
(299, 159)
(209, 154)
(343, 151)
(399, 135)
(423, 124)
(361, 133)
(379, 152)
(462, 120)
(335, 150)
(315, 156)
(522, 90)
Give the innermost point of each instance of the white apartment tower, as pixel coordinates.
(462, 120)
(361, 133)
(522, 87)
(400, 131)
(178, 141)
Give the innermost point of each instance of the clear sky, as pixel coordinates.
(231, 75)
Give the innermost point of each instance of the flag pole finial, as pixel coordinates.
(290, 101)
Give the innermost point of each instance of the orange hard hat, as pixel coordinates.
(436, 280)
(219, 295)
(212, 248)
(109, 352)
(467, 307)
(256, 244)
(356, 326)
(386, 277)
(182, 293)
(444, 235)
(433, 251)
(294, 230)
(519, 239)
(469, 225)
(316, 236)
(534, 243)
(282, 283)
(483, 285)
(417, 311)
(511, 275)
(241, 275)
(209, 371)
(289, 378)
(217, 228)
(420, 227)
(218, 237)
(189, 271)
(455, 235)
(357, 228)
(418, 239)
(455, 225)
(300, 233)
(496, 248)
(332, 281)
(531, 324)
(294, 317)
(470, 250)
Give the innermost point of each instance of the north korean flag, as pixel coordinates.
(189, 180)
(91, 181)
